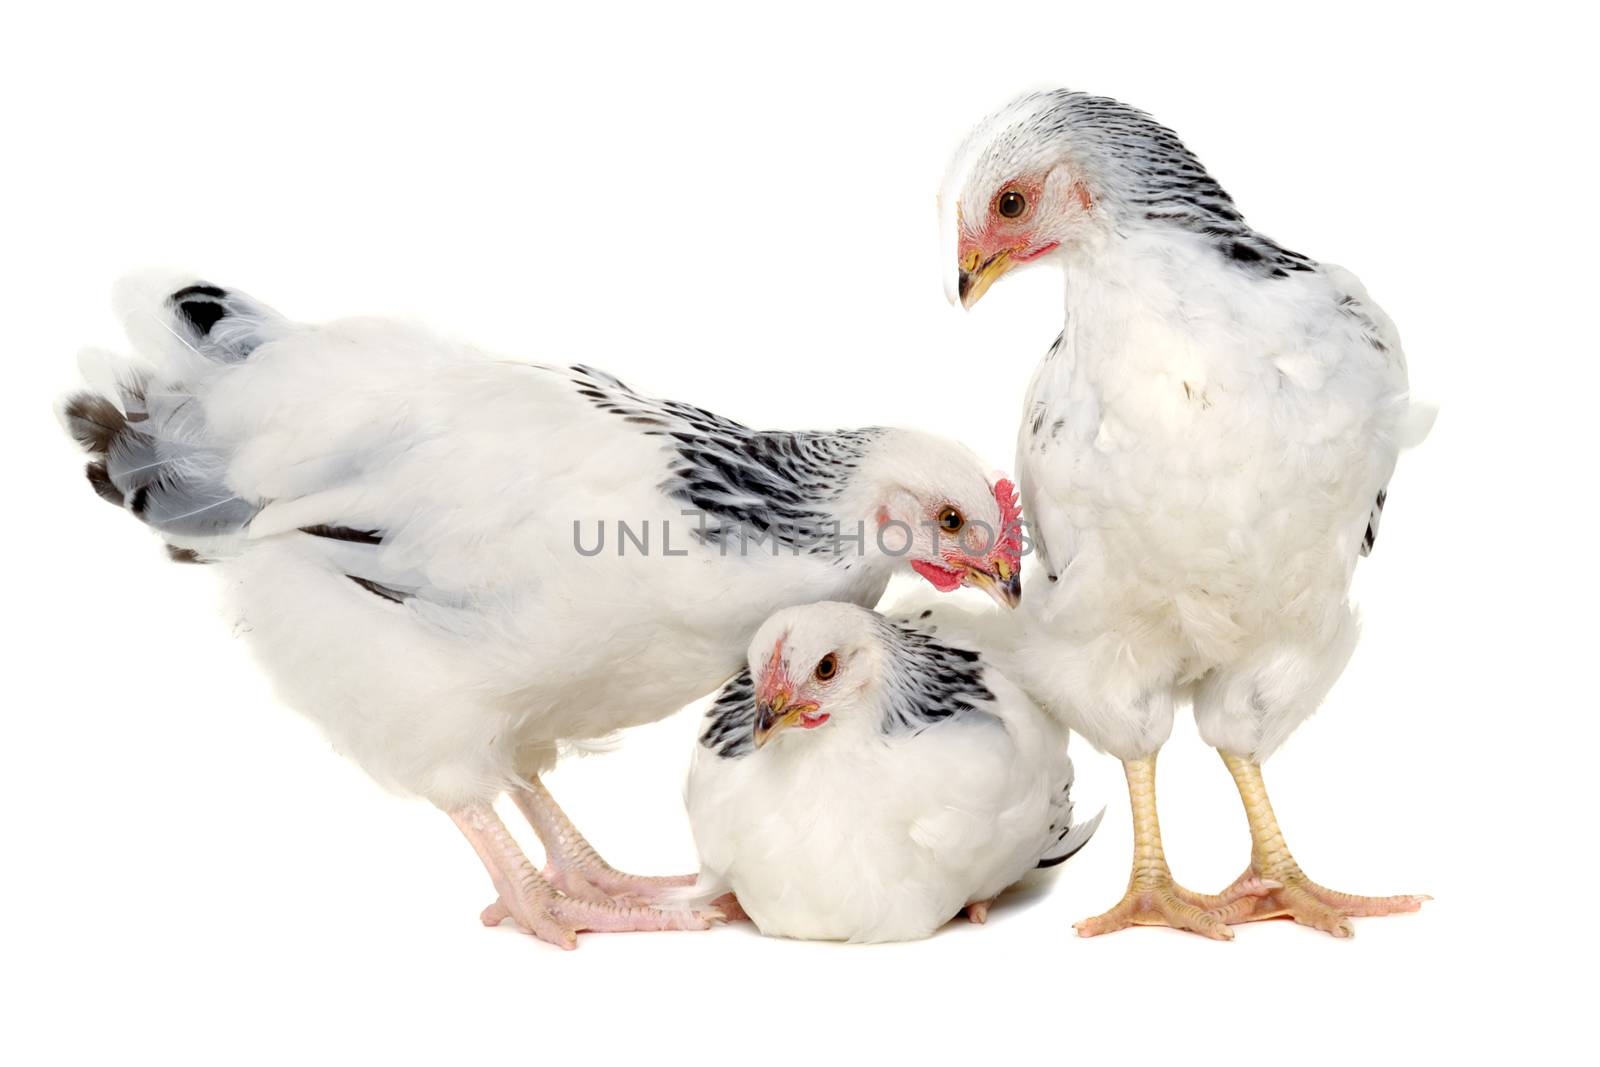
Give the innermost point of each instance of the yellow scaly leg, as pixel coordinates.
(1153, 898)
(1297, 896)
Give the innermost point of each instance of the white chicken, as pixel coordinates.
(1204, 455)
(414, 532)
(864, 780)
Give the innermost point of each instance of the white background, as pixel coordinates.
(737, 209)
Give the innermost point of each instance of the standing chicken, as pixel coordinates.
(409, 528)
(864, 780)
(1203, 454)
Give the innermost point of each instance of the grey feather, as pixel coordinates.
(223, 325)
(1064, 842)
(173, 485)
(152, 452)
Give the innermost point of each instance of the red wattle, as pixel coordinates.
(943, 579)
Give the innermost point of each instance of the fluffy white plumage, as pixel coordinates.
(932, 782)
(1207, 528)
(406, 526)
(471, 472)
(1205, 449)
(1201, 449)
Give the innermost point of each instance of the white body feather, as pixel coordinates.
(847, 833)
(476, 469)
(1200, 454)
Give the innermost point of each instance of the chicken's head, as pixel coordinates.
(980, 548)
(812, 665)
(1019, 189)
(937, 511)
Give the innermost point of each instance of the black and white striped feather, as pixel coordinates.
(925, 682)
(1144, 167)
(151, 452)
(766, 483)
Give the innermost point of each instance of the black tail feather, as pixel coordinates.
(223, 325)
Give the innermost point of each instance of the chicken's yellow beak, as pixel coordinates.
(976, 276)
(776, 715)
(1005, 585)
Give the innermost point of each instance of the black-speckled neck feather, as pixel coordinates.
(928, 681)
(769, 484)
(1148, 170)
(924, 682)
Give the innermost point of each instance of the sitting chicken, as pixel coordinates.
(408, 527)
(864, 780)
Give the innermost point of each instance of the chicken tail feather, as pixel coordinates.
(143, 420)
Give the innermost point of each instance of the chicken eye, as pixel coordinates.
(1011, 204)
(827, 667)
(951, 520)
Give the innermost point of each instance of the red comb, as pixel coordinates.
(1009, 539)
(772, 678)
